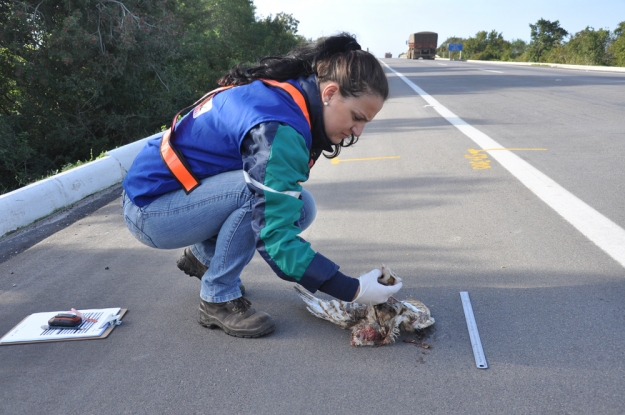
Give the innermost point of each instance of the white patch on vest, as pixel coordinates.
(199, 110)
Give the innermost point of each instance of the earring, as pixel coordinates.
(325, 103)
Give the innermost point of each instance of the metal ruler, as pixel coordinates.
(478, 352)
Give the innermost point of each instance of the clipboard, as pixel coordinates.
(7, 341)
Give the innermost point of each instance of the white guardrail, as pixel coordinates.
(28, 204)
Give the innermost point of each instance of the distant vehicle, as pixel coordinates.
(422, 45)
(388, 55)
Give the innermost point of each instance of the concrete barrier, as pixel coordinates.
(551, 65)
(28, 204)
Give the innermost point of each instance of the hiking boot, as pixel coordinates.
(236, 317)
(191, 266)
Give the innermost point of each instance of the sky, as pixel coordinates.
(384, 25)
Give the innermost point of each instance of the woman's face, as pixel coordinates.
(342, 116)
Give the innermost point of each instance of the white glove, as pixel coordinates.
(371, 291)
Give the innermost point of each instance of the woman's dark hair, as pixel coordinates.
(336, 58)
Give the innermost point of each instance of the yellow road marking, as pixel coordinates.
(337, 160)
(479, 159)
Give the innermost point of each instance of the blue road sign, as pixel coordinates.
(454, 47)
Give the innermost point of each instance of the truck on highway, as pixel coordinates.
(388, 55)
(422, 45)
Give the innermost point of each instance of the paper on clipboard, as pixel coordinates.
(30, 329)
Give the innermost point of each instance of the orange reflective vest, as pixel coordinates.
(175, 161)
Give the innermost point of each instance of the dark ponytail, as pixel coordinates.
(336, 58)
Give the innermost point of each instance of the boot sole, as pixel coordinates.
(186, 265)
(212, 323)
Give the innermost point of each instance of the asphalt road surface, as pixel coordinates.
(417, 194)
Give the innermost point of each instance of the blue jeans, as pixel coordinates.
(215, 220)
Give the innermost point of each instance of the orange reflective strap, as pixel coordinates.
(176, 165)
(175, 161)
(294, 93)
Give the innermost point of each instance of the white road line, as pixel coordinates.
(606, 234)
(490, 70)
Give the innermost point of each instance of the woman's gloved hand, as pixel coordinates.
(371, 291)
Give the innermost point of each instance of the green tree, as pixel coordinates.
(616, 49)
(516, 51)
(278, 34)
(486, 46)
(588, 47)
(545, 36)
(222, 33)
(80, 77)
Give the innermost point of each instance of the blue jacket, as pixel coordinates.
(260, 130)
